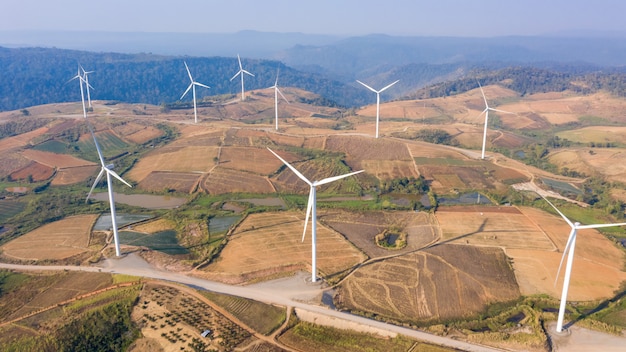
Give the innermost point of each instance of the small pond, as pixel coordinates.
(164, 241)
(148, 201)
(222, 224)
(465, 199)
(104, 221)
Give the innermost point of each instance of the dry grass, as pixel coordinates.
(21, 140)
(254, 160)
(154, 226)
(222, 180)
(607, 162)
(269, 243)
(55, 160)
(175, 159)
(73, 175)
(54, 241)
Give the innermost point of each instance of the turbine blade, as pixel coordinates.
(380, 91)
(239, 60)
(368, 87)
(335, 178)
(187, 91)
(502, 111)
(483, 93)
(201, 85)
(114, 174)
(558, 211)
(102, 170)
(95, 141)
(188, 72)
(236, 74)
(600, 225)
(276, 83)
(309, 206)
(281, 94)
(292, 168)
(244, 71)
(572, 235)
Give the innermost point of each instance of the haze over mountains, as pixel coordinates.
(151, 70)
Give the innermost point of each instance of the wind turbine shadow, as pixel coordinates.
(352, 270)
(598, 308)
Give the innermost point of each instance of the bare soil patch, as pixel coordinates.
(222, 180)
(255, 160)
(359, 148)
(69, 176)
(20, 140)
(55, 160)
(444, 282)
(390, 169)
(37, 171)
(175, 159)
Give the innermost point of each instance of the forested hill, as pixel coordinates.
(34, 76)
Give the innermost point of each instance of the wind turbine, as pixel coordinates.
(108, 169)
(87, 85)
(276, 92)
(486, 112)
(240, 73)
(192, 86)
(569, 250)
(81, 79)
(377, 99)
(311, 208)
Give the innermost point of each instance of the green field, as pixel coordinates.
(164, 241)
(9, 208)
(52, 146)
(110, 144)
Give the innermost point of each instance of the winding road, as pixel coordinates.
(294, 293)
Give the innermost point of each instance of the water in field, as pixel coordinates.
(164, 241)
(104, 221)
(148, 201)
(222, 224)
(465, 199)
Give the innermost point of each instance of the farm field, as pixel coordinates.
(148, 201)
(596, 134)
(190, 159)
(159, 181)
(72, 175)
(254, 160)
(9, 208)
(110, 144)
(20, 140)
(360, 228)
(607, 162)
(446, 281)
(55, 160)
(38, 172)
(268, 244)
(223, 180)
(55, 241)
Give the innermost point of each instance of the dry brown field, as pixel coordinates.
(37, 171)
(596, 134)
(54, 241)
(143, 135)
(20, 140)
(222, 180)
(68, 176)
(314, 169)
(360, 228)
(496, 226)
(10, 162)
(390, 169)
(443, 282)
(158, 181)
(54, 159)
(536, 246)
(154, 226)
(266, 244)
(428, 150)
(312, 142)
(188, 159)
(608, 162)
(255, 160)
(367, 148)
(282, 139)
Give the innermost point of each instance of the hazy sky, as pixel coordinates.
(341, 17)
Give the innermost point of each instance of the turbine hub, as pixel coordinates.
(110, 166)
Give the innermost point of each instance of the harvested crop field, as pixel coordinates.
(360, 228)
(158, 181)
(54, 159)
(222, 180)
(54, 241)
(38, 172)
(71, 175)
(443, 282)
(366, 148)
(144, 135)
(428, 150)
(266, 244)
(598, 264)
(255, 160)
(390, 169)
(20, 140)
(10, 162)
(175, 159)
(609, 162)
(496, 226)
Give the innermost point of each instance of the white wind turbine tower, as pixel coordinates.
(311, 209)
(81, 80)
(377, 99)
(276, 92)
(108, 169)
(192, 86)
(569, 250)
(240, 73)
(87, 85)
(486, 112)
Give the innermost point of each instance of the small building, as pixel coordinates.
(206, 333)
